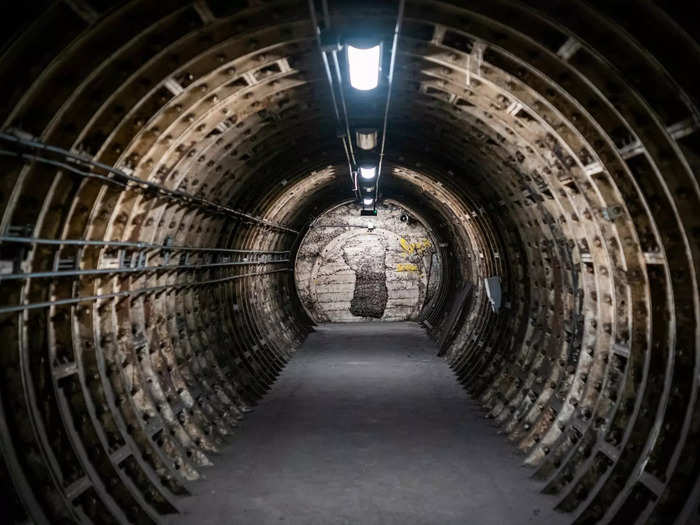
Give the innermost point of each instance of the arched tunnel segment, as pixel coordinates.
(161, 162)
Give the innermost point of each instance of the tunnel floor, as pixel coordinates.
(367, 425)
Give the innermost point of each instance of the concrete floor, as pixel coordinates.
(366, 425)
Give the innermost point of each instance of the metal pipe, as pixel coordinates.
(347, 145)
(62, 165)
(339, 78)
(126, 244)
(326, 13)
(126, 293)
(142, 184)
(353, 178)
(142, 269)
(394, 45)
(348, 138)
(347, 141)
(329, 77)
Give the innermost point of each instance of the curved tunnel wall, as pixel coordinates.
(357, 268)
(552, 144)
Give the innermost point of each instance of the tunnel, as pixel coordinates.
(180, 218)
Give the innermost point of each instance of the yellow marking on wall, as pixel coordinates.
(417, 247)
(406, 267)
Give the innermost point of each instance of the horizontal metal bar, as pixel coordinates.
(126, 244)
(362, 226)
(127, 293)
(652, 483)
(65, 370)
(76, 488)
(120, 454)
(609, 450)
(142, 184)
(142, 269)
(62, 165)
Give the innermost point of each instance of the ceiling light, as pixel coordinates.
(363, 65)
(366, 138)
(368, 172)
(368, 201)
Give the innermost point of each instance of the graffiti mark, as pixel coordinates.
(414, 248)
(406, 267)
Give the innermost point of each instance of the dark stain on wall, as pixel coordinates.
(370, 295)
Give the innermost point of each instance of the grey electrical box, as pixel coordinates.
(493, 291)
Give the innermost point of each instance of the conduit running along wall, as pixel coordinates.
(552, 144)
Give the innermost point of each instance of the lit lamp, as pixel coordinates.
(363, 66)
(368, 172)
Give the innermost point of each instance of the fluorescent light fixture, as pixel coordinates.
(368, 172)
(368, 201)
(366, 138)
(364, 67)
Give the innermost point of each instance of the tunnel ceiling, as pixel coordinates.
(162, 160)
